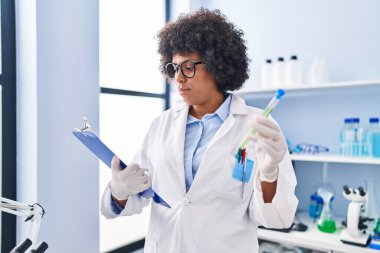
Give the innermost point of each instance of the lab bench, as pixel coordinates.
(312, 238)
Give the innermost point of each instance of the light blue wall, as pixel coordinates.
(347, 34)
(68, 89)
(58, 84)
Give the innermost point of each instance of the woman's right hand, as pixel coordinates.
(129, 181)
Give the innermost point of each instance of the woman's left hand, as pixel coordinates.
(270, 147)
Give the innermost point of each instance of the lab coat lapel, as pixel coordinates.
(238, 106)
(178, 135)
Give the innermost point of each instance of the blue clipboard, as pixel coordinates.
(98, 148)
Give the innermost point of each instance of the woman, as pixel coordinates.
(188, 155)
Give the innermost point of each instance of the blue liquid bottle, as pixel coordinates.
(373, 137)
(357, 144)
(345, 137)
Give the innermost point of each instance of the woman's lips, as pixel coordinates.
(182, 91)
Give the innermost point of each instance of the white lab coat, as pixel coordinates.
(211, 216)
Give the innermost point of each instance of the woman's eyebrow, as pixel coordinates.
(193, 60)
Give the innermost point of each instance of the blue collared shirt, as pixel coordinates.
(198, 135)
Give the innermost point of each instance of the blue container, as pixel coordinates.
(373, 137)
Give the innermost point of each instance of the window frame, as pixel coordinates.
(165, 96)
(8, 82)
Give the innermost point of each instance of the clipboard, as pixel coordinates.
(98, 148)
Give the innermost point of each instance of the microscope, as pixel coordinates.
(355, 233)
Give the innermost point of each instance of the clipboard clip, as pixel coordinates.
(86, 127)
(98, 148)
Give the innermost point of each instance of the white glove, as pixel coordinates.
(128, 181)
(270, 147)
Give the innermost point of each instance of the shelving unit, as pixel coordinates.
(312, 238)
(318, 87)
(334, 158)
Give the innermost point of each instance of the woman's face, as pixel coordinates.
(199, 89)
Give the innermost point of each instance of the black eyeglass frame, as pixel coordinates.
(179, 66)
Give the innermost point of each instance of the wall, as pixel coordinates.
(346, 34)
(58, 83)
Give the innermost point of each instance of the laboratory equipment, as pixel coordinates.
(267, 74)
(308, 148)
(22, 247)
(375, 243)
(318, 73)
(377, 227)
(267, 111)
(357, 147)
(279, 72)
(315, 206)
(326, 222)
(299, 226)
(373, 137)
(240, 156)
(345, 137)
(293, 72)
(352, 138)
(355, 233)
(371, 205)
(34, 214)
(41, 248)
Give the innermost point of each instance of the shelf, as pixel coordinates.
(331, 158)
(320, 87)
(313, 239)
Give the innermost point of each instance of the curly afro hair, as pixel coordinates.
(214, 38)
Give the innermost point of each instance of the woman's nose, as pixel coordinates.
(179, 77)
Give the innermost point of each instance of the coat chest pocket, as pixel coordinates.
(230, 188)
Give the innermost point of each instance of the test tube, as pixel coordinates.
(267, 111)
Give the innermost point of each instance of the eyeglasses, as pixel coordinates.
(187, 68)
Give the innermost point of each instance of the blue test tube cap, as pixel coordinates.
(280, 93)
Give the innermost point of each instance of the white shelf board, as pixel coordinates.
(306, 87)
(313, 239)
(334, 158)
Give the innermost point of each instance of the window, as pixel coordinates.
(128, 50)
(133, 92)
(8, 106)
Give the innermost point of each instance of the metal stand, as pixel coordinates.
(33, 213)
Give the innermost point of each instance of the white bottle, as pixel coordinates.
(279, 73)
(318, 73)
(267, 74)
(293, 72)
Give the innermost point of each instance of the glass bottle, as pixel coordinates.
(373, 137)
(326, 222)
